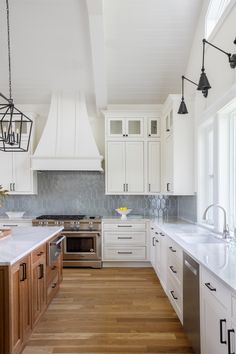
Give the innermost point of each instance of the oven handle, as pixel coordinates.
(58, 240)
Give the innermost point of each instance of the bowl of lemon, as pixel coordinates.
(123, 211)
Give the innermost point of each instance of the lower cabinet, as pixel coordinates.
(125, 241)
(215, 316)
(38, 283)
(20, 304)
(26, 288)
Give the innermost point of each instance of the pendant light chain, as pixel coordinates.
(9, 49)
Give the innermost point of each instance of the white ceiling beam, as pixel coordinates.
(96, 28)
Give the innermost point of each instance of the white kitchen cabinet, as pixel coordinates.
(125, 172)
(154, 128)
(177, 149)
(135, 166)
(125, 241)
(125, 127)
(17, 176)
(154, 166)
(215, 314)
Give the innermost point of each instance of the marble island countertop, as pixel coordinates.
(207, 248)
(23, 240)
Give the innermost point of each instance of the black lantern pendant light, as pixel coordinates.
(15, 126)
(183, 107)
(203, 81)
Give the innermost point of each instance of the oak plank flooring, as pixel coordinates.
(109, 310)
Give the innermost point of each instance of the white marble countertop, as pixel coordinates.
(23, 240)
(219, 258)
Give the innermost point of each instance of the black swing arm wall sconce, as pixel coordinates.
(183, 107)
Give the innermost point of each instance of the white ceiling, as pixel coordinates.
(147, 45)
(144, 47)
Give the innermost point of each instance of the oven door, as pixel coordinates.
(82, 245)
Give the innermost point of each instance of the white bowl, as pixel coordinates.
(123, 213)
(15, 214)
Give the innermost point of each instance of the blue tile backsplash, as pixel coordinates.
(84, 193)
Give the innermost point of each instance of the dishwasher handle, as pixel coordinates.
(58, 240)
(190, 267)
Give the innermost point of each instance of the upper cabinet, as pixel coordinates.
(177, 149)
(125, 127)
(16, 175)
(133, 152)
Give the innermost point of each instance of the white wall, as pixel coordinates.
(221, 77)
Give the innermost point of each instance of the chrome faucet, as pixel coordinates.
(225, 234)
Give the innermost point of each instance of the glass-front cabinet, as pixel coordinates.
(154, 128)
(125, 127)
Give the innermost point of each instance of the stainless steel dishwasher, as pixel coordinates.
(191, 306)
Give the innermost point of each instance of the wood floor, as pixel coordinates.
(109, 310)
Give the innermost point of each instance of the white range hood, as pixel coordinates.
(67, 142)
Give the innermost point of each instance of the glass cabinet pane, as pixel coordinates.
(153, 127)
(116, 127)
(134, 127)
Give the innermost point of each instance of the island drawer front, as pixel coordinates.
(125, 226)
(174, 251)
(124, 253)
(52, 287)
(125, 238)
(39, 252)
(214, 287)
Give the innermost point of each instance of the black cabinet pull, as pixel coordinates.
(54, 285)
(157, 241)
(229, 341)
(210, 287)
(162, 234)
(221, 331)
(168, 187)
(153, 241)
(41, 268)
(172, 269)
(152, 228)
(157, 233)
(173, 295)
(22, 272)
(172, 249)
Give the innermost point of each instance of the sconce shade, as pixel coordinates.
(182, 108)
(203, 82)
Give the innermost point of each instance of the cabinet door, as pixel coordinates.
(134, 127)
(134, 167)
(22, 174)
(154, 167)
(20, 303)
(115, 167)
(169, 164)
(38, 288)
(6, 177)
(157, 253)
(153, 247)
(154, 128)
(213, 325)
(116, 127)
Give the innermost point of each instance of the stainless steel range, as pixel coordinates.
(82, 244)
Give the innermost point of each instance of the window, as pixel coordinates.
(215, 11)
(217, 167)
(206, 168)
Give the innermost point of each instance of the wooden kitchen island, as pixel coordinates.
(27, 283)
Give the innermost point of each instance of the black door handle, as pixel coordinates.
(153, 241)
(229, 341)
(210, 287)
(221, 331)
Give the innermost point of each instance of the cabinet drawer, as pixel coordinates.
(125, 226)
(125, 238)
(124, 253)
(174, 251)
(176, 298)
(213, 287)
(52, 287)
(175, 269)
(39, 252)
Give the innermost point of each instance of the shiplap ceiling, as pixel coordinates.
(147, 44)
(145, 48)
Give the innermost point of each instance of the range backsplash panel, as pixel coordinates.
(83, 192)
